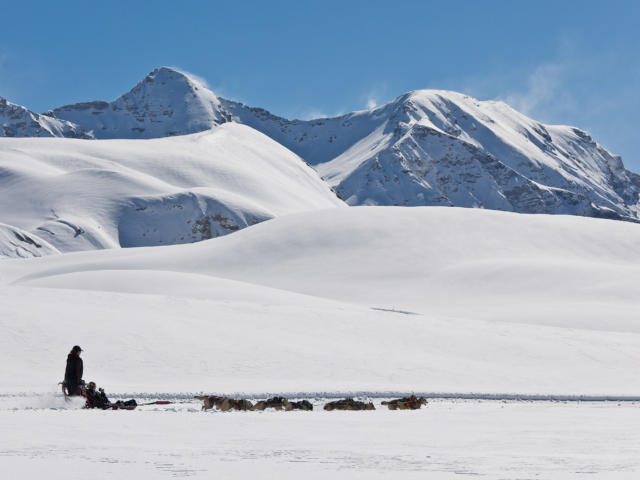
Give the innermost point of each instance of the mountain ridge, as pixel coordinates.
(425, 147)
(437, 147)
(19, 121)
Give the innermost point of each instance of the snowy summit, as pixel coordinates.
(167, 102)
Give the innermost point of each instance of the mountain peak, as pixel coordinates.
(166, 102)
(171, 76)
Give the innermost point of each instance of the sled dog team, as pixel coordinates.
(73, 385)
(225, 404)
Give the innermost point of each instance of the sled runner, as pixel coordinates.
(82, 391)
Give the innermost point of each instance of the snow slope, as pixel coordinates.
(80, 195)
(15, 242)
(360, 299)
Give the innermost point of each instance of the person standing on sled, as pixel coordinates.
(73, 372)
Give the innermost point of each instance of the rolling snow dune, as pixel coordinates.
(478, 263)
(423, 299)
(81, 195)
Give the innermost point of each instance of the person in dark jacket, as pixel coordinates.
(73, 372)
(97, 399)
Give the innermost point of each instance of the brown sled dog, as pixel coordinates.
(224, 404)
(406, 403)
(277, 403)
(348, 404)
(281, 403)
(302, 405)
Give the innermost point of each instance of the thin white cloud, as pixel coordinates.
(315, 114)
(593, 90)
(374, 96)
(545, 84)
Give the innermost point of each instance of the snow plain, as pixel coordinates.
(360, 299)
(339, 300)
(445, 440)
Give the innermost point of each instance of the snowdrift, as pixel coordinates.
(83, 195)
(367, 298)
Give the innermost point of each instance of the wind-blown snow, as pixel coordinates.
(360, 299)
(81, 195)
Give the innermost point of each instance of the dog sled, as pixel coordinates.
(95, 399)
(105, 404)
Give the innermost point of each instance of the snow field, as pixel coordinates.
(337, 300)
(444, 440)
(497, 302)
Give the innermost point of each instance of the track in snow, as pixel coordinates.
(318, 398)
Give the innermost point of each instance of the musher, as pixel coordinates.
(73, 372)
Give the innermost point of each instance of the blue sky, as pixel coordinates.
(571, 62)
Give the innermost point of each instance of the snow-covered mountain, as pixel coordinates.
(165, 103)
(18, 121)
(64, 195)
(432, 147)
(427, 147)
